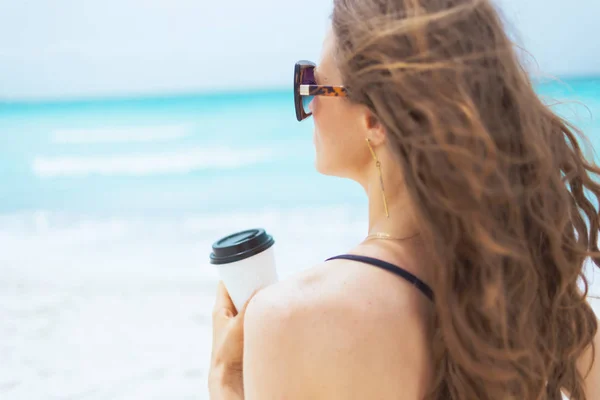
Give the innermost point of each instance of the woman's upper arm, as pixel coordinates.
(273, 355)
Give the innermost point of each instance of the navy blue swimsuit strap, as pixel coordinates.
(419, 284)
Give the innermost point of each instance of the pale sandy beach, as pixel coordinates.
(120, 309)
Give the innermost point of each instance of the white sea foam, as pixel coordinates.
(174, 162)
(136, 134)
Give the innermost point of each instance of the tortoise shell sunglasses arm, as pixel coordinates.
(322, 90)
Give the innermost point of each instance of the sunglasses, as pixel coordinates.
(306, 88)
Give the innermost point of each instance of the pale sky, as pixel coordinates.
(82, 48)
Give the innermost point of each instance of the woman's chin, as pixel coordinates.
(324, 169)
(320, 167)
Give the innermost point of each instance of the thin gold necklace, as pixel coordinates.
(386, 236)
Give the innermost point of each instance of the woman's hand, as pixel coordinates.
(225, 379)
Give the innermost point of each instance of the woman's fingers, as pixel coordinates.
(223, 304)
(224, 307)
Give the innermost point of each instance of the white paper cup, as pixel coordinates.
(245, 262)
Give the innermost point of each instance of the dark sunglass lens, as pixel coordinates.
(308, 76)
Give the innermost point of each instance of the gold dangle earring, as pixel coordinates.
(378, 165)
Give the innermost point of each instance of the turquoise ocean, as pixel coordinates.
(108, 209)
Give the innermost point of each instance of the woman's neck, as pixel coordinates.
(399, 221)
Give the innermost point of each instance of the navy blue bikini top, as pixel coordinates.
(404, 274)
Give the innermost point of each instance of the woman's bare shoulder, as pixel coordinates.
(328, 329)
(341, 291)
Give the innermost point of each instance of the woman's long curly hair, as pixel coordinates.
(506, 198)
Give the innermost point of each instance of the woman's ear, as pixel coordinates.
(375, 128)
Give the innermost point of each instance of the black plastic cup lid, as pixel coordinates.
(240, 245)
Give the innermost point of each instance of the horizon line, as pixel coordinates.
(208, 93)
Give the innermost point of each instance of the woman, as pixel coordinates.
(479, 226)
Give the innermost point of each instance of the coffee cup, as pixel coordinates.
(245, 262)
